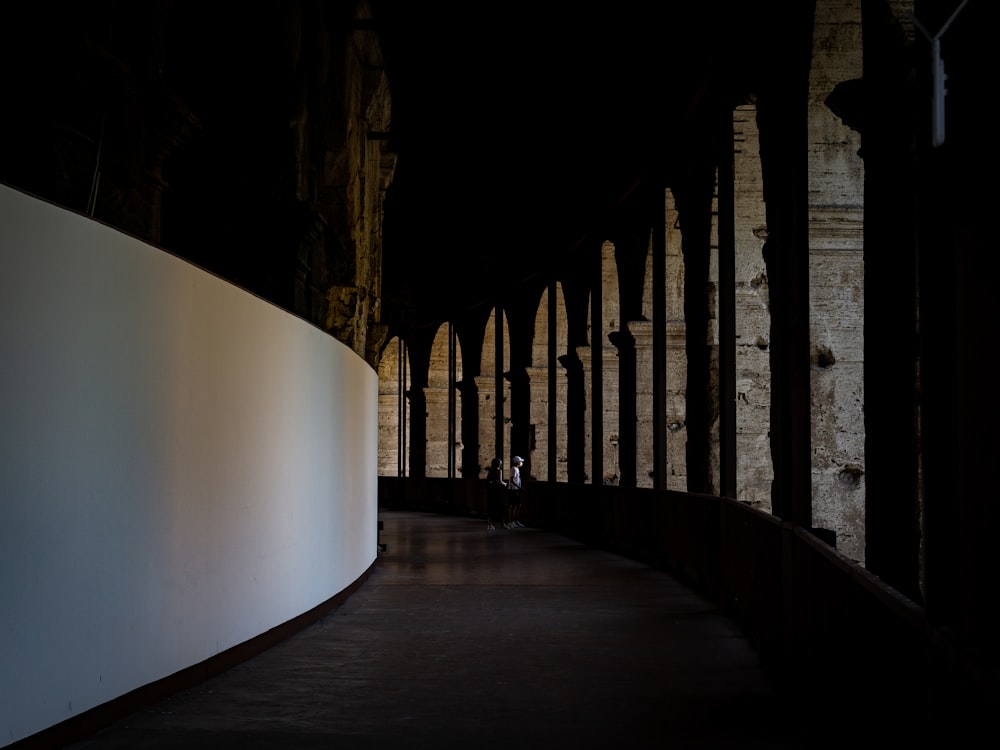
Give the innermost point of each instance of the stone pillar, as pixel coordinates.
(542, 427)
(569, 421)
(584, 354)
(393, 382)
(676, 352)
(836, 283)
(612, 469)
(438, 444)
(468, 409)
(754, 470)
(388, 433)
(494, 392)
(611, 325)
(486, 386)
(562, 447)
(418, 432)
(896, 485)
(538, 388)
(676, 406)
(695, 204)
(642, 335)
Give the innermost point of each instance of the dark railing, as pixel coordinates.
(822, 624)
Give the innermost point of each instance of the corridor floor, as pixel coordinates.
(468, 638)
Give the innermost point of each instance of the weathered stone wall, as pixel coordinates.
(562, 388)
(754, 472)
(486, 384)
(836, 259)
(611, 316)
(539, 375)
(642, 333)
(539, 371)
(584, 354)
(442, 447)
(712, 303)
(676, 350)
(391, 425)
(354, 182)
(538, 389)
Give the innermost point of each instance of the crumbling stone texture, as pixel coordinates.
(442, 442)
(392, 389)
(836, 289)
(754, 469)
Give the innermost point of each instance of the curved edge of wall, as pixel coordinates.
(183, 466)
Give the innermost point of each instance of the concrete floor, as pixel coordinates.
(466, 638)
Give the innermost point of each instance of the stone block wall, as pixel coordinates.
(836, 260)
(754, 471)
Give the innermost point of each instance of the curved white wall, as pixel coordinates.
(183, 466)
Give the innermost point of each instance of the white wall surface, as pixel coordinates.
(183, 466)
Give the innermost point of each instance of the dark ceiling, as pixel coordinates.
(520, 126)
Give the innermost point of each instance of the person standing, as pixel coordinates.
(495, 491)
(514, 494)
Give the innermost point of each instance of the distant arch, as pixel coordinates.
(548, 388)
(494, 391)
(393, 389)
(444, 418)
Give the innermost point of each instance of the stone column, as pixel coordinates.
(468, 410)
(836, 284)
(754, 470)
(676, 406)
(612, 426)
(610, 371)
(438, 444)
(642, 334)
(486, 386)
(676, 352)
(542, 426)
(417, 426)
(572, 416)
(538, 388)
(562, 446)
(392, 387)
(584, 354)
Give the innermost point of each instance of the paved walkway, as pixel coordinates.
(468, 638)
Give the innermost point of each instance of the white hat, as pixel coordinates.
(518, 460)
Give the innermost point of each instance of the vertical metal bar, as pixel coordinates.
(938, 76)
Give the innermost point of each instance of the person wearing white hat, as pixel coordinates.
(514, 494)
